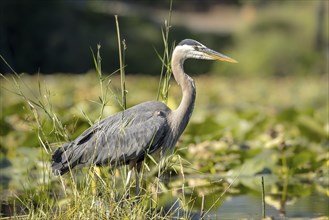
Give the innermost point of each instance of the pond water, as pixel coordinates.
(249, 206)
(305, 200)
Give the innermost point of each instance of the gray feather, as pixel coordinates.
(119, 139)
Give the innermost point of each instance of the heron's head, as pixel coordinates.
(189, 48)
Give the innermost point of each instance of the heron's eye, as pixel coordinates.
(197, 47)
(159, 113)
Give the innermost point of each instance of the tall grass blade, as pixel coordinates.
(122, 70)
(163, 88)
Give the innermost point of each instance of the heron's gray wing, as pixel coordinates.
(119, 139)
(130, 138)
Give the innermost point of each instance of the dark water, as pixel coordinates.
(302, 200)
(250, 207)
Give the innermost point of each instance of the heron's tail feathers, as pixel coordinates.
(60, 164)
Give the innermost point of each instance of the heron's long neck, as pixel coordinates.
(184, 111)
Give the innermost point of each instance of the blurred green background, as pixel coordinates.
(266, 115)
(267, 37)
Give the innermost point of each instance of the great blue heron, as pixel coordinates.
(126, 137)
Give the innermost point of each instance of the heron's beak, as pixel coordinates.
(218, 56)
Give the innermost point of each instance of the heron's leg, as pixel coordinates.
(137, 183)
(137, 172)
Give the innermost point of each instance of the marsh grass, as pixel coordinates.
(165, 74)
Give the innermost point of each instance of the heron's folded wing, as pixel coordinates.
(121, 139)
